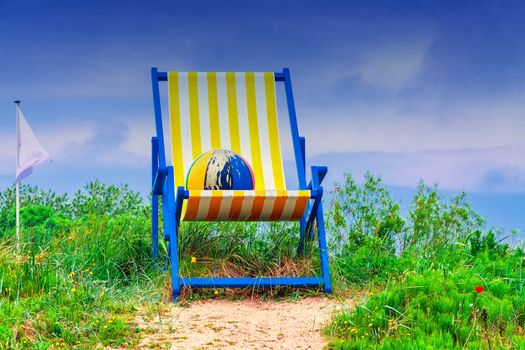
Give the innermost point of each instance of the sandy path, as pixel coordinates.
(246, 324)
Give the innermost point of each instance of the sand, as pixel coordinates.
(246, 324)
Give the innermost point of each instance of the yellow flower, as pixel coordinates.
(370, 324)
(193, 259)
(91, 272)
(216, 292)
(73, 290)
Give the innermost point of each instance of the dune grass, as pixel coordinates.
(435, 278)
(74, 282)
(85, 265)
(85, 268)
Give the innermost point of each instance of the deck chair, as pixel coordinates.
(238, 112)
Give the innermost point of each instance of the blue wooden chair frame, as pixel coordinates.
(172, 199)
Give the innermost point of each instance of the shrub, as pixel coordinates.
(426, 268)
(74, 280)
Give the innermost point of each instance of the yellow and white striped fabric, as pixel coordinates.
(238, 112)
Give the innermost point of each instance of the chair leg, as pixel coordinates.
(323, 250)
(154, 227)
(302, 236)
(174, 252)
(154, 200)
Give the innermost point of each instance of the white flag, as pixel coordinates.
(30, 151)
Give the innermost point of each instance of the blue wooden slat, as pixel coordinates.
(295, 130)
(279, 76)
(302, 143)
(159, 179)
(313, 212)
(321, 172)
(154, 200)
(243, 282)
(174, 230)
(158, 117)
(163, 76)
(323, 250)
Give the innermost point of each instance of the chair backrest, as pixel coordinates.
(235, 111)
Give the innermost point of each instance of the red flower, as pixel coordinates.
(479, 289)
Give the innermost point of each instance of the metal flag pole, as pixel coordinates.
(17, 184)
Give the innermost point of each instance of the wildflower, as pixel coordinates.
(73, 290)
(91, 273)
(215, 292)
(193, 259)
(105, 326)
(479, 289)
(370, 324)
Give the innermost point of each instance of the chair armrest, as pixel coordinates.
(160, 178)
(318, 175)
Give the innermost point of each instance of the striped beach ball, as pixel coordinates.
(220, 169)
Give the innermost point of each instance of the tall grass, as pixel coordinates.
(435, 278)
(84, 268)
(244, 249)
(85, 264)
(75, 278)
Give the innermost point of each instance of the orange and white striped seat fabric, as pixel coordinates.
(238, 112)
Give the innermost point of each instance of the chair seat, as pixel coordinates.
(235, 205)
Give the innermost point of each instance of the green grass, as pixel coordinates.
(84, 269)
(77, 286)
(423, 271)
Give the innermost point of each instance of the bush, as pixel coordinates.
(426, 267)
(74, 280)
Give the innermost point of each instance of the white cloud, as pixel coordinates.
(391, 128)
(393, 65)
(477, 146)
(495, 169)
(134, 149)
(85, 143)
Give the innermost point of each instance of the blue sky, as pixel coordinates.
(411, 90)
